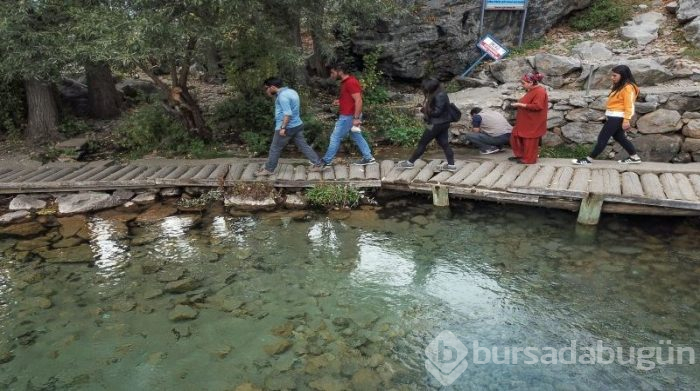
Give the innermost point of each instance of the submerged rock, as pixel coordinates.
(78, 254)
(24, 230)
(277, 347)
(73, 226)
(182, 312)
(156, 213)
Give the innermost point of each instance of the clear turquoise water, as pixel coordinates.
(350, 300)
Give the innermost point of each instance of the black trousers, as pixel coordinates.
(439, 132)
(613, 128)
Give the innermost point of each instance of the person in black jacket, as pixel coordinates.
(437, 118)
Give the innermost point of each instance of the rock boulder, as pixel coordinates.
(660, 121)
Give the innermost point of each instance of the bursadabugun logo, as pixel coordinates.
(446, 358)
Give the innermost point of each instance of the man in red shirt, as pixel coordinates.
(349, 117)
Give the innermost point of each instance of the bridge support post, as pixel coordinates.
(441, 196)
(589, 212)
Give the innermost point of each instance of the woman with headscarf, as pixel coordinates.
(530, 119)
(618, 113)
(436, 115)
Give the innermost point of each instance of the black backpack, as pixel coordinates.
(455, 114)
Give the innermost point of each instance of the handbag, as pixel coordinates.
(454, 113)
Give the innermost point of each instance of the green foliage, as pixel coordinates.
(12, 109)
(257, 142)
(239, 115)
(692, 53)
(602, 14)
(566, 151)
(333, 196)
(398, 126)
(150, 128)
(71, 127)
(373, 90)
(529, 46)
(452, 86)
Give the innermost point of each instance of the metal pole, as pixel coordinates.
(522, 25)
(471, 67)
(481, 20)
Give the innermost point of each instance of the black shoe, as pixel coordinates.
(364, 162)
(514, 159)
(582, 161)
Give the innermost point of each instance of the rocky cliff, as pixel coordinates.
(439, 36)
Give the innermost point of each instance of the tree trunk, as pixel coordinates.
(42, 112)
(192, 116)
(212, 62)
(103, 98)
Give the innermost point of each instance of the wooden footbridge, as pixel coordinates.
(648, 188)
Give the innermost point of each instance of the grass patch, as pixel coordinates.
(692, 53)
(333, 196)
(602, 14)
(528, 46)
(566, 151)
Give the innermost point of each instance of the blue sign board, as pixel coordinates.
(506, 5)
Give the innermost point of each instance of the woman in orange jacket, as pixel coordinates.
(530, 120)
(618, 113)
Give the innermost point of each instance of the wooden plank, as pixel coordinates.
(220, 173)
(543, 177)
(372, 171)
(478, 174)
(12, 173)
(119, 173)
(314, 176)
(192, 171)
(695, 180)
(631, 185)
(236, 171)
(341, 172)
(427, 172)
(163, 172)
(611, 181)
(509, 176)
(61, 173)
(407, 175)
(597, 184)
(38, 176)
(526, 176)
(357, 172)
(591, 207)
(686, 188)
(133, 174)
(300, 173)
(329, 175)
(670, 186)
(106, 171)
(4, 171)
(82, 171)
(581, 179)
(177, 173)
(562, 178)
(453, 178)
(18, 174)
(147, 173)
(205, 171)
(652, 186)
(386, 167)
(495, 174)
(286, 172)
(249, 171)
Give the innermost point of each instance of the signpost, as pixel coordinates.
(490, 47)
(505, 5)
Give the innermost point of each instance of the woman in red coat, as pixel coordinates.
(530, 120)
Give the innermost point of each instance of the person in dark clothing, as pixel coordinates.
(437, 118)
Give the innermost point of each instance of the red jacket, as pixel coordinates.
(531, 120)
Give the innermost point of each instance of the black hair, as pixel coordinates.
(475, 110)
(339, 66)
(625, 78)
(431, 87)
(273, 81)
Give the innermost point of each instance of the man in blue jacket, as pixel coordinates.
(288, 126)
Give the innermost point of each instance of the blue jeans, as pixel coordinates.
(295, 134)
(484, 142)
(342, 128)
